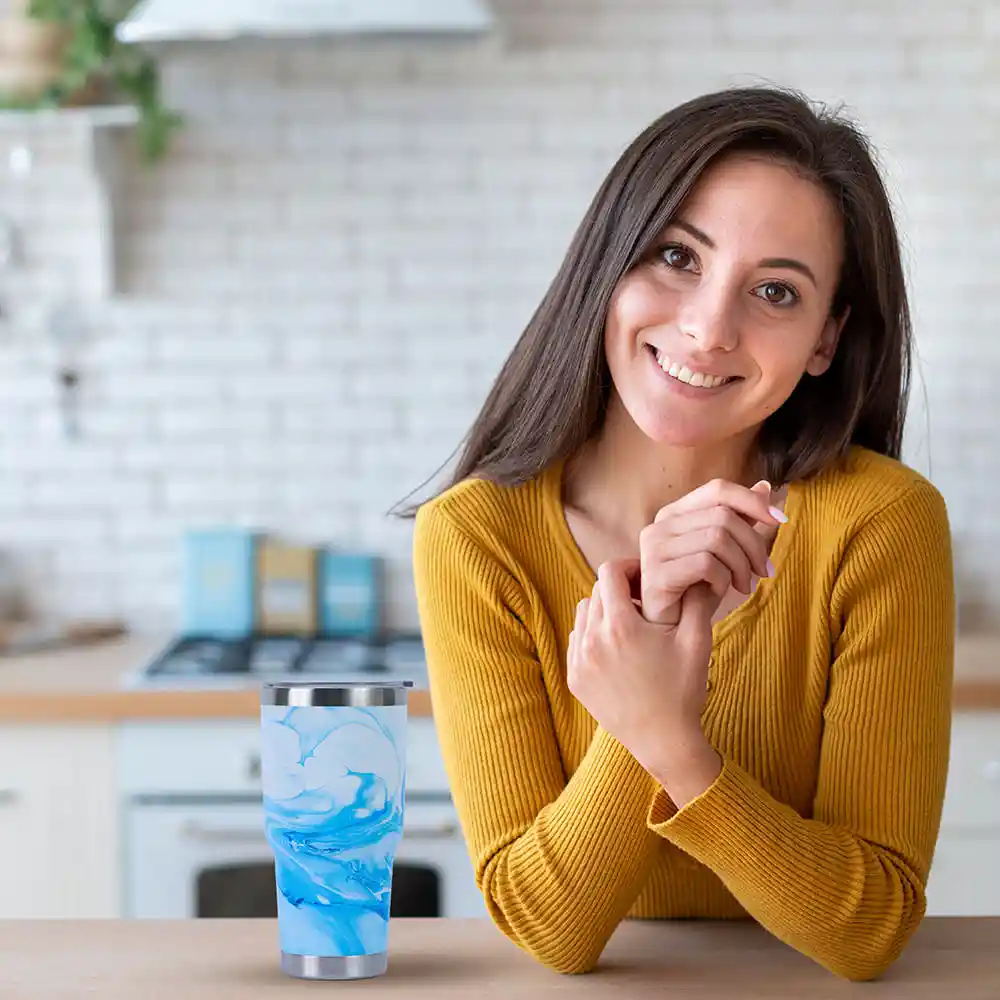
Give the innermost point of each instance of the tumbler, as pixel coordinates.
(333, 772)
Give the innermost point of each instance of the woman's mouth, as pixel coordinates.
(681, 375)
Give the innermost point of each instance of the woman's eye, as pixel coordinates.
(677, 257)
(774, 293)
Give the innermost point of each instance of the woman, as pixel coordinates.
(688, 619)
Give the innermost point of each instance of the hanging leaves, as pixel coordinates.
(93, 51)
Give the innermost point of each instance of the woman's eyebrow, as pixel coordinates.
(790, 264)
(787, 263)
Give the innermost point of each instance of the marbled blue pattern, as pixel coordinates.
(333, 782)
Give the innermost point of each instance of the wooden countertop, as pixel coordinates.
(952, 957)
(86, 685)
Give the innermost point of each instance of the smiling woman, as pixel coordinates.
(689, 620)
(717, 313)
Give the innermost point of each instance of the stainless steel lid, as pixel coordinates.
(335, 693)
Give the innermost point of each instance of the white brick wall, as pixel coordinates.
(321, 281)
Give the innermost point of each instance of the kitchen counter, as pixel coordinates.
(86, 685)
(232, 959)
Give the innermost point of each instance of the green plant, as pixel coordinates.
(93, 51)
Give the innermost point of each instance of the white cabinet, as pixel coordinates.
(62, 788)
(965, 875)
(59, 825)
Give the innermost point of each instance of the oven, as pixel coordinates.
(194, 827)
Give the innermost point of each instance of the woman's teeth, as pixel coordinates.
(684, 374)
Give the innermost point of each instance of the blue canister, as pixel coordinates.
(350, 594)
(218, 577)
(333, 769)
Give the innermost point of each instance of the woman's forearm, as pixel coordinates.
(561, 888)
(849, 904)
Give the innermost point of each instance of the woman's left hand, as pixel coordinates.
(644, 682)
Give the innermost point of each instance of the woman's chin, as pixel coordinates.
(680, 433)
(672, 439)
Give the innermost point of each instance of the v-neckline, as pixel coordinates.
(555, 512)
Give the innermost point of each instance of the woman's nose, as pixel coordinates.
(707, 317)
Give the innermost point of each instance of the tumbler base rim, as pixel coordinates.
(334, 966)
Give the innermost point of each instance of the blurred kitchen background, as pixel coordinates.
(228, 364)
(314, 288)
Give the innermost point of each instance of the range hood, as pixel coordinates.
(220, 20)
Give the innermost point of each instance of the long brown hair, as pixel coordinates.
(552, 392)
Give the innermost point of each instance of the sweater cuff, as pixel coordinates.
(730, 802)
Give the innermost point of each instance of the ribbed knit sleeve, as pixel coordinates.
(846, 885)
(559, 861)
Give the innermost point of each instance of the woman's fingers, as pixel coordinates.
(716, 541)
(718, 534)
(694, 629)
(595, 614)
(614, 586)
(700, 567)
(717, 528)
(663, 590)
(752, 503)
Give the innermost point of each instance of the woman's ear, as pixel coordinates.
(826, 347)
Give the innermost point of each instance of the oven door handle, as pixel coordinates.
(192, 830)
(434, 831)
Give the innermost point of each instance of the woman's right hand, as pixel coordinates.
(707, 539)
(614, 668)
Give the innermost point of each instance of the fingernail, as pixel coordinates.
(770, 568)
(778, 515)
(763, 482)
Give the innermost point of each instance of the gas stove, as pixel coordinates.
(211, 662)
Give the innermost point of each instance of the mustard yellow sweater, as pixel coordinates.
(829, 701)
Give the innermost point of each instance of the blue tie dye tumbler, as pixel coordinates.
(333, 770)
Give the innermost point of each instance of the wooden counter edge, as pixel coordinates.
(976, 695)
(61, 697)
(121, 706)
(124, 705)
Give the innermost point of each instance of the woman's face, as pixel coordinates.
(711, 335)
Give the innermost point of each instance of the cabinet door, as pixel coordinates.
(59, 839)
(973, 796)
(965, 875)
